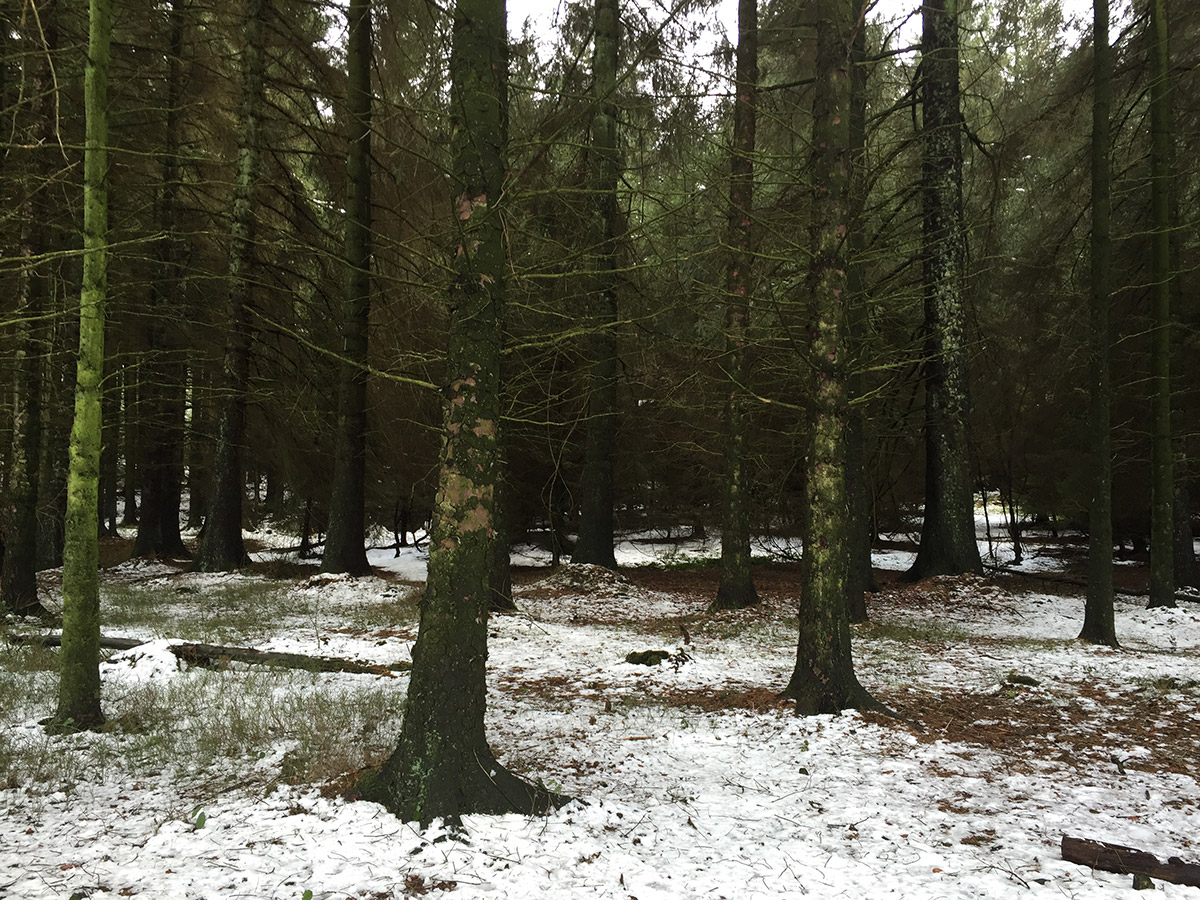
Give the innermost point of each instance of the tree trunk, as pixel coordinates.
(199, 445)
(736, 589)
(1099, 624)
(596, 489)
(1162, 484)
(345, 543)
(162, 440)
(442, 765)
(824, 680)
(222, 549)
(130, 420)
(948, 545)
(79, 662)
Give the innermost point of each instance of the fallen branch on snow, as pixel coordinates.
(199, 654)
(1128, 861)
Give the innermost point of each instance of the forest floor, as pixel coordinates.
(694, 781)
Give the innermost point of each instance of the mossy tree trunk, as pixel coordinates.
(948, 545)
(442, 765)
(222, 548)
(1099, 624)
(736, 589)
(596, 488)
(345, 542)
(1162, 463)
(824, 680)
(163, 434)
(18, 591)
(79, 660)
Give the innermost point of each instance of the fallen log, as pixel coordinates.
(1079, 582)
(1128, 861)
(199, 654)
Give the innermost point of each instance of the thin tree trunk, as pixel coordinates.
(79, 662)
(345, 543)
(222, 549)
(736, 589)
(824, 680)
(1099, 623)
(130, 421)
(162, 468)
(1162, 464)
(597, 491)
(199, 445)
(948, 545)
(442, 765)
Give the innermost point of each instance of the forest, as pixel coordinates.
(644, 449)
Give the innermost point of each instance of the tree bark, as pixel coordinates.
(948, 545)
(1162, 463)
(824, 680)
(345, 542)
(736, 588)
(596, 489)
(79, 662)
(1099, 624)
(442, 765)
(222, 549)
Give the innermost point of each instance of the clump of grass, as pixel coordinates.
(228, 719)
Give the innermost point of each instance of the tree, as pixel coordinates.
(736, 589)
(1099, 625)
(948, 543)
(163, 385)
(823, 680)
(442, 765)
(79, 660)
(345, 542)
(222, 548)
(595, 541)
(1162, 464)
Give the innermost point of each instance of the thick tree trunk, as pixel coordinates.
(79, 662)
(345, 543)
(596, 489)
(736, 588)
(1099, 624)
(1162, 464)
(948, 545)
(824, 680)
(162, 441)
(442, 765)
(222, 549)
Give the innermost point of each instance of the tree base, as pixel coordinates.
(74, 724)
(452, 790)
(735, 596)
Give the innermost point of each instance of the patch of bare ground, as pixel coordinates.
(1077, 724)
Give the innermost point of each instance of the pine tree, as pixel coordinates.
(79, 660)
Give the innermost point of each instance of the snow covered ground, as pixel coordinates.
(693, 781)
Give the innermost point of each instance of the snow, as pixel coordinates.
(692, 782)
